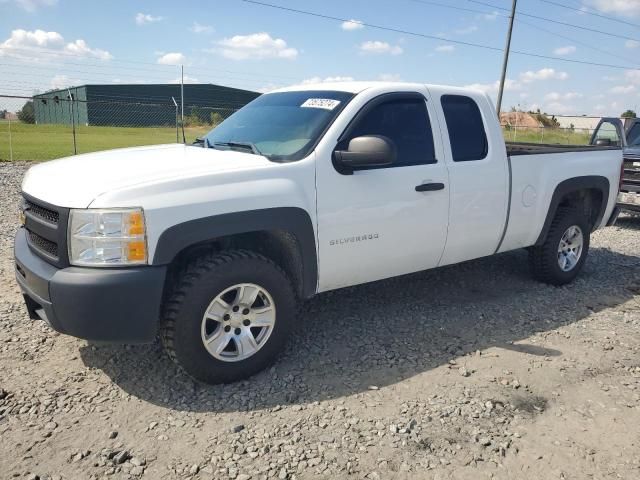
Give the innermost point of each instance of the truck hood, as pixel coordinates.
(632, 153)
(75, 182)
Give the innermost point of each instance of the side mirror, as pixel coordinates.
(367, 151)
(602, 142)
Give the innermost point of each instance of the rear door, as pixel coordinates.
(478, 174)
(377, 223)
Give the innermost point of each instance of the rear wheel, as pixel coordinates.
(561, 257)
(228, 317)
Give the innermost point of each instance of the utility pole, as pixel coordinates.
(506, 57)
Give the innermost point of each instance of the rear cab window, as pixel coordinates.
(467, 134)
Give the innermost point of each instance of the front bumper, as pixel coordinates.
(119, 305)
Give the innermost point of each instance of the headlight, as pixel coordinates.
(105, 238)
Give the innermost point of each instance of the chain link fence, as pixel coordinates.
(33, 128)
(546, 134)
(36, 128)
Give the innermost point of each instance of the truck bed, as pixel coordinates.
(522, 148)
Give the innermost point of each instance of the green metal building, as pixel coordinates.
(138, 104)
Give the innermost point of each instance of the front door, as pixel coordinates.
(375, 223)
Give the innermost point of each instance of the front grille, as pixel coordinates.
(44, 245)
(42, 213)
(46, 228)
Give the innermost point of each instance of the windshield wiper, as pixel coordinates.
(246, 146)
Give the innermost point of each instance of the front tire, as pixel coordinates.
(562, 255)
(228, 316)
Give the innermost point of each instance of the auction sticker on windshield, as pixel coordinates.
(326, 103)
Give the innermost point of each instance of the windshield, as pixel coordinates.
(281, 126)
(633, 135)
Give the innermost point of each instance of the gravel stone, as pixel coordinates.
(369, 385)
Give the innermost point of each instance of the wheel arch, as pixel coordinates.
(285, 235)
(591, 193)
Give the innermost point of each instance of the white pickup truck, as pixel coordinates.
(304, 190)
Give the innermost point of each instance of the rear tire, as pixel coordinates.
(562, 255)
(228, 316)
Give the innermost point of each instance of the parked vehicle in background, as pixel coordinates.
(610, 131)
(302, 191)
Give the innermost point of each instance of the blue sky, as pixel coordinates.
(56, 43)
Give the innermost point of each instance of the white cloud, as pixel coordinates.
(633, 76)
(629, 8)
(568, 50)
(187, 79)
(632, 44)
(63, 81)
(543, 74)
(173, 58)
(509, 85)
(490, 16)
(80, 48)
(256, 46)
(32, 5)
(379, 47)
(622, 89)
(352, 25)
(555, 96)
(557, 108)
(145, 18)
(268, 88)
(327, 80)
(445, 48)
(40, 45)
(390, 77)
(201, 29)
(466, 31)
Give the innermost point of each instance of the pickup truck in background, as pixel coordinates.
(304, 190)
(609, 132)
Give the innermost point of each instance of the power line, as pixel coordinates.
(588, 12)
(519, 20)
(453, 7)
(571, 39)
(371, 25)
(566, 24)
(435, 37)
(54, 53)
(88, 76)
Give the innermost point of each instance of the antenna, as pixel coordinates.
(184, 140)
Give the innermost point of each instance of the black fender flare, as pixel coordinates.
(571, 185)
(293, 220)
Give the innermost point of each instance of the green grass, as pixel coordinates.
(547, 135)
(46, 142)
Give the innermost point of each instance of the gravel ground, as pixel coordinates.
(471, 371)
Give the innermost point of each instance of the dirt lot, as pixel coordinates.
(469, 372)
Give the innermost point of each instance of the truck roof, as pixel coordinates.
(359, 86)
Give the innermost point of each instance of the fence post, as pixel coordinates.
(177, 129)
(73, 122)
(10, 144)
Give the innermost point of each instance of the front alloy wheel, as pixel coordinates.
(228, 316)
(238, 322)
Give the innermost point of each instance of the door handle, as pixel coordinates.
(430, 187)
